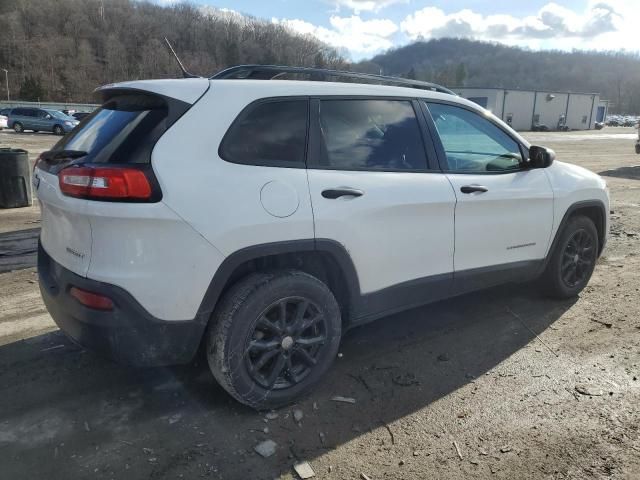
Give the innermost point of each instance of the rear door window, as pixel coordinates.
(123, 130)
(370, 135)
(271, 133)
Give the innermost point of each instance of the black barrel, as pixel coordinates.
(15, 175)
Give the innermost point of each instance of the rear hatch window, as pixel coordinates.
(123, 130)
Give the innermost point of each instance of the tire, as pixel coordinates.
(36, 131)
(245, 330)
(638, 148)
(18, 128)
(58, 130)
(577, 252)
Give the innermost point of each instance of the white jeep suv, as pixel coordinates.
(264, 217)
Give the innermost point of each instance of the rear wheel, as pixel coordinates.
(273, 337)
(574, 259)
(58, 130)
(18, 128)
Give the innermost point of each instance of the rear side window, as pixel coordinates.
(370, 135)
(273, 133)
(123, 130)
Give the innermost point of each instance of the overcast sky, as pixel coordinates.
(366, 27)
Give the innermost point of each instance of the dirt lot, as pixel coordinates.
(498, 384)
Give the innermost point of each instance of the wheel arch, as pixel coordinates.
(325, 259)
(594, 210)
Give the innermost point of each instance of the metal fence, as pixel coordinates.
(78, 107)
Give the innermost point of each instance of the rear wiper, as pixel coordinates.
(62, 154)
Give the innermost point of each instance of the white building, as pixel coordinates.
(523, 109)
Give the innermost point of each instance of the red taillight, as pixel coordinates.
(105, 183)
(91, 300)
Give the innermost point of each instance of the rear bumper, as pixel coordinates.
(128, 333)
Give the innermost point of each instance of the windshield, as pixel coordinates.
(60, 115)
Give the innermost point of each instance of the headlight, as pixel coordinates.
(68, 124)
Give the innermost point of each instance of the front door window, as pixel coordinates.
(473, 144)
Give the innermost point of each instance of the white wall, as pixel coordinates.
(550, 106)
(581, 106)
(518, 105)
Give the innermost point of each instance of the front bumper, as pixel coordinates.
(128, 333)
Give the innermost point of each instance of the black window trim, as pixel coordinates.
(442, 156)
(315, 138)
(269, 163)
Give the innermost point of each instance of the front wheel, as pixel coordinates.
(573, 260)
(58, 130)
(273, 337)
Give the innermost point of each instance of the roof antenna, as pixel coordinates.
(185, 73)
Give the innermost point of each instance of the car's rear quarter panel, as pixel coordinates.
(222, 200)
(148, 250)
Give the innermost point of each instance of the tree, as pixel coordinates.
(319, 60)
(461, 75)
(411, 74)
(31, 90)
(64, 49)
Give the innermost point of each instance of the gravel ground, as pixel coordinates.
(498, 384)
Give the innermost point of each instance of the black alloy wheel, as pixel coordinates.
(285, 343)
(578, 259)
(573, 259)
(273, 336)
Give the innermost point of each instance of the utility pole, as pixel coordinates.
(6, 77)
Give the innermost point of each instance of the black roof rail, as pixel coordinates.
(271, 72)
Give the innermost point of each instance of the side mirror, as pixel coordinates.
(540, 157)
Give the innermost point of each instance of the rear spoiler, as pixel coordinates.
(187, 90)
